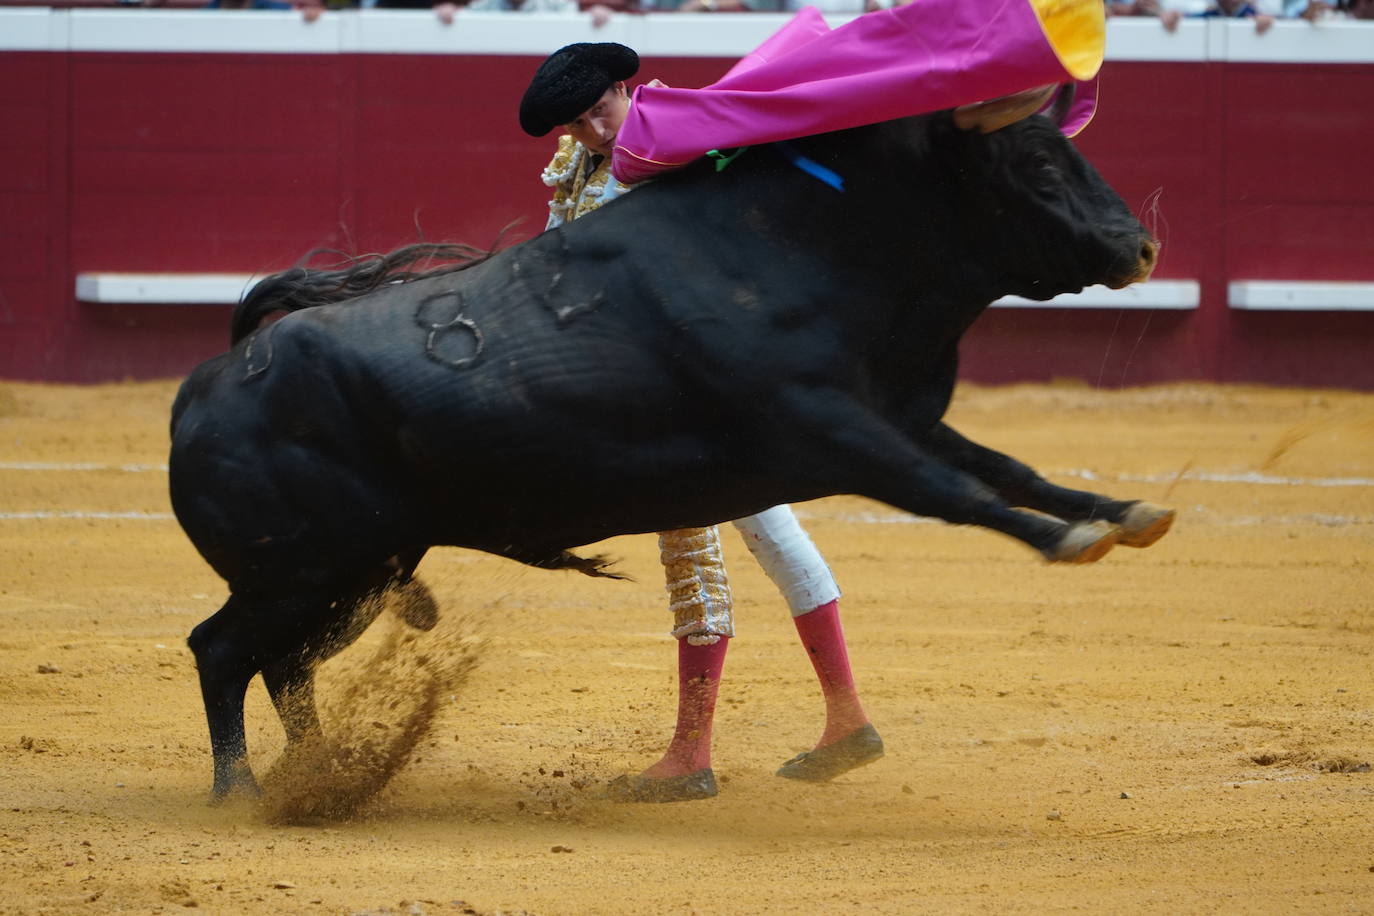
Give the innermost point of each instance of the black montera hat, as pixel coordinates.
(570, 80)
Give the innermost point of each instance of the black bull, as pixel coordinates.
(708, 346)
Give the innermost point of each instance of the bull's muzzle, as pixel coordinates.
(1145, 259)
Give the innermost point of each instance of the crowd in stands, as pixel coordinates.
(1169, 12)
(1264, 12)
(601, 10)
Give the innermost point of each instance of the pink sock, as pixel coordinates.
(823, 638)
(698, 673)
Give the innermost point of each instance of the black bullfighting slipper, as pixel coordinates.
(688, 787)
(855, 749)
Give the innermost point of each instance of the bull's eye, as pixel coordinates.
(1044, 170)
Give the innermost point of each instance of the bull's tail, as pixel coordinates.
(599, 566)
(304, 287)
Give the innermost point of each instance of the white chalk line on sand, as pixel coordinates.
(1241, 477)
(79, 513)
(79, 466)
(1247, 477)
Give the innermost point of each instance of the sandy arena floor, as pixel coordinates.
(1187, 728)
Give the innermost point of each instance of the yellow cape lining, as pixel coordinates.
(1076, 31)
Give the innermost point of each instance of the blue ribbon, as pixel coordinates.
(810, 166)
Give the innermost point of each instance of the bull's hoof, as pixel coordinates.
(688, 787)
(414, 603)
(1085, 542)
(1144, 523)
(240, 787)
(859, 747)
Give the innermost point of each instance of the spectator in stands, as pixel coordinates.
(1239, 9)
(600, 11)
(446, 10)
(310, 9)
(710, 6)
(1316, 10)
(767, 6)
(1171, 12)
(1167, 15)
(1133, 8)
(839, 6)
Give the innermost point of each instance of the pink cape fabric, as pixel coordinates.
(808, 79)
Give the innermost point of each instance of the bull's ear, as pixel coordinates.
(995, 114)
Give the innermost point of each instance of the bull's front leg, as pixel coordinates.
(850, 449)
(1141, 523)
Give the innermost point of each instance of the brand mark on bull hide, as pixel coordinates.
(440, 342)
(526, 274)
(256, 368)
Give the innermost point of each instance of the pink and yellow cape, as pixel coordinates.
(808, 78)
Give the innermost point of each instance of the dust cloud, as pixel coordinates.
(376, 705)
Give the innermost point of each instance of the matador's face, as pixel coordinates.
(596, 128)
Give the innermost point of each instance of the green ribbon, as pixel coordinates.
(722, 160)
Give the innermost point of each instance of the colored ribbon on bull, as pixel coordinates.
(810, 166)
(808, 78)
(722, 160)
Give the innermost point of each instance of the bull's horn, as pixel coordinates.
(1063, 102)
(996, 114)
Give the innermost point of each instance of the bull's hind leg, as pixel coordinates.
(226, 663)
(329, 628)
(410, 599)
(1140, 523)
(284, 638)
(291, 685)
(325, 628)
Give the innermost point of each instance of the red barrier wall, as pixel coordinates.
(240, 162)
